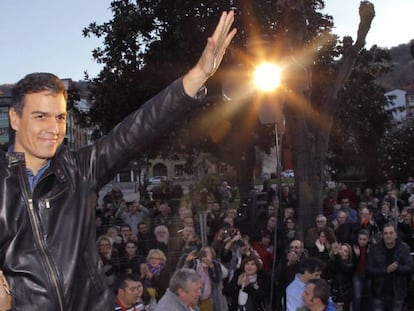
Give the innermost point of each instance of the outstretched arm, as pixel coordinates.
(212, 55)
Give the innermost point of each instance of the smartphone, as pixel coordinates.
(201, 254)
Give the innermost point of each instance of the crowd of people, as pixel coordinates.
(361, 246)
(48, 255)
(152, 257)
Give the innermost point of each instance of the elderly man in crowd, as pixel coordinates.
(183, 293)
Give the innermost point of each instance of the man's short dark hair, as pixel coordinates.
(321, 290)
(35, 83)
(389, 224)
(311, 264)
(121, 281)
(364, 232)
(124, 225)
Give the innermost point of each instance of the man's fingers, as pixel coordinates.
(4, 283)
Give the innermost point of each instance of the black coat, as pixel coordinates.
(47, 237)
(259, 292)
(377, 268)
(339, 273)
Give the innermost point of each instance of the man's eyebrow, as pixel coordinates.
(39, 112)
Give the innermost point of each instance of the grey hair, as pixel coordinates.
(182, 278)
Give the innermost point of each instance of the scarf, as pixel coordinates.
(202, 271)
(155, 271)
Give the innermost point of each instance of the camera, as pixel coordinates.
(201, 254)
(240, 243)
(226, 228)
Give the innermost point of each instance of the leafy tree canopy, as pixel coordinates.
(147, 44)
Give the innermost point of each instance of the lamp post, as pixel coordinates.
(265, 81)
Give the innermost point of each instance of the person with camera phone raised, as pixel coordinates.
(210, 271)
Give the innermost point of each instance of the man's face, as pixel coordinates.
(164, 209)
(341, 217)
(131, 293)
(126, 232)
(105, 248)
(345, 203)
(289, 212)
(295, 246)
(266, 240)
(362, 240)
(143, 228)
(390, 236)
(365, 215)
(271, 223)
(41, 127)
(133, 208)
(321, 223)
(385, 209)
(187, 233)
(191, 296)
(308, 298)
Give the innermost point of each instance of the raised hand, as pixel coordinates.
(217, 44)
(212, 55)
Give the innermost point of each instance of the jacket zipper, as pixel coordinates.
(46, 256)
(48, 200)
(38, 237)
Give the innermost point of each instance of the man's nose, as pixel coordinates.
(52, 126)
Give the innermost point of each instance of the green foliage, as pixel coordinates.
(212, 182)
(396, 152)
(363, 117)
(147, 44)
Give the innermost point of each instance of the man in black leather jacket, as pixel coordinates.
(48, 193)
(389, 266)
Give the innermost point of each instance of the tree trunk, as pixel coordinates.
(308, 126)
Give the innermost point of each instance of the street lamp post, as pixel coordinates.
(266, 80)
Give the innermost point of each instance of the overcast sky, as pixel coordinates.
(46, 35)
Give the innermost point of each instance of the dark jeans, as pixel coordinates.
(361, 292)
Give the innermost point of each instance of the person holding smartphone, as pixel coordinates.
(210, 271)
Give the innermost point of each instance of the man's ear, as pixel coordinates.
(14, 118)
(179, 292)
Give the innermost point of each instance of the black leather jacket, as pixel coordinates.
(377, 269)
(47, 237)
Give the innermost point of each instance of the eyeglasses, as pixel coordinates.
(155, 258)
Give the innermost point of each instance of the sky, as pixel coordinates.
(46, 35)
